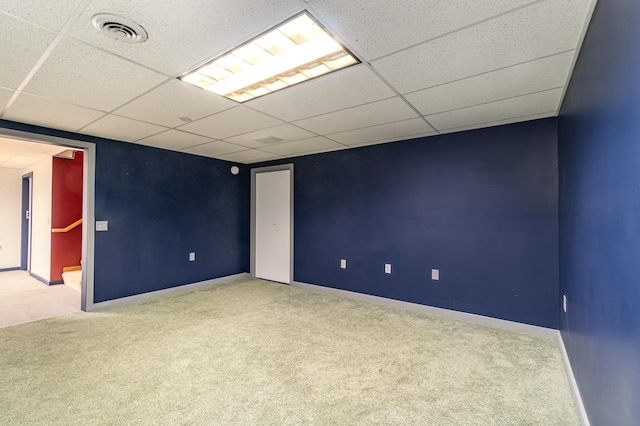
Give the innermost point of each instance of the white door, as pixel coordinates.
(273, 226)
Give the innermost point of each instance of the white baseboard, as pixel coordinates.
(584, 419)
(173, 290)
(446, 313)
(472, 318)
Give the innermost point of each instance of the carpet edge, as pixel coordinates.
(167, 291)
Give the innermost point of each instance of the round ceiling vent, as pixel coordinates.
(120, 28)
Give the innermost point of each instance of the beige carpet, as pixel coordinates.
(24, 299)
(259, 353)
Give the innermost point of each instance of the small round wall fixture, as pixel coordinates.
(235, 170)
(119, 28)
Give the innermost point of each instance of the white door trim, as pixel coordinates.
(253, 214)
(88, 203)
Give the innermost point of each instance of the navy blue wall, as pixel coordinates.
(481, 206)
(161, 205)
(599, 137)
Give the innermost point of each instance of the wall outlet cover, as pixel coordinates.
(387, 268)
(435, 274)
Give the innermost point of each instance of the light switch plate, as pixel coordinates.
(192, 256)
(102, 225)
(343, 263)
(387, 268)
(435, 274)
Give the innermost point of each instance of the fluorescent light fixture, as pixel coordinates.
(296, 50)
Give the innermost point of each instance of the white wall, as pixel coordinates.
(41, 217)
(10, 207)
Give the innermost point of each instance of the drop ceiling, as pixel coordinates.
(428, 67)
(17, 154)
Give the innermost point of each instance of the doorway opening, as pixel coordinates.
(87, 226)
(272, 223)
(25, 228)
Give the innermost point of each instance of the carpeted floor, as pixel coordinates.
(24, 299)
(259, 353)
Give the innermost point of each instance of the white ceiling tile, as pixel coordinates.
(501, 122)
(121, 128)
(249, 156)
(383, 132)
(303, 146)
(174, 139)
(522, 106)
(21, 47)
(14, 146)
(397, 139)
(285, 132)
(183, 34)
(18, 154)
(45, 112)
(83, 75)
(374, 28)
(386, 111)
(318, 151)
(52, 14)
(10, 147)
(12, 165)
(530, 77)
(44, 150)
(437, 53)
(5, 96)
(232, 122)
(346, 88)
(25, 159)
(166, 104)
(214, 149)
(546, 28)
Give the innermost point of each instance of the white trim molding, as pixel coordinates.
(252, 252)
(446, 313)
(584, 419)
(88, 202)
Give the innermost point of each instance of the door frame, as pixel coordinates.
(88, 203)
(25, 222)
(255, 171)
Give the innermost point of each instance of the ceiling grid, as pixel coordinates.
(428, 67)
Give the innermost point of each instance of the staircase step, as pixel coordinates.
(72, 268)
(73, 278)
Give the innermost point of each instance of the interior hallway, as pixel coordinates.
(24, 299)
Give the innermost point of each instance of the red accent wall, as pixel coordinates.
(66, 208)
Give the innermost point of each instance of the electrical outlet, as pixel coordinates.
(387, 268)
(192, 256)
(564, 303)
(435, 274)
(343, 263)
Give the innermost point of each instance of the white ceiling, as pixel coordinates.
(429, 67)
(17, 154)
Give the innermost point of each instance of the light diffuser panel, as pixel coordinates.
(295, 51)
